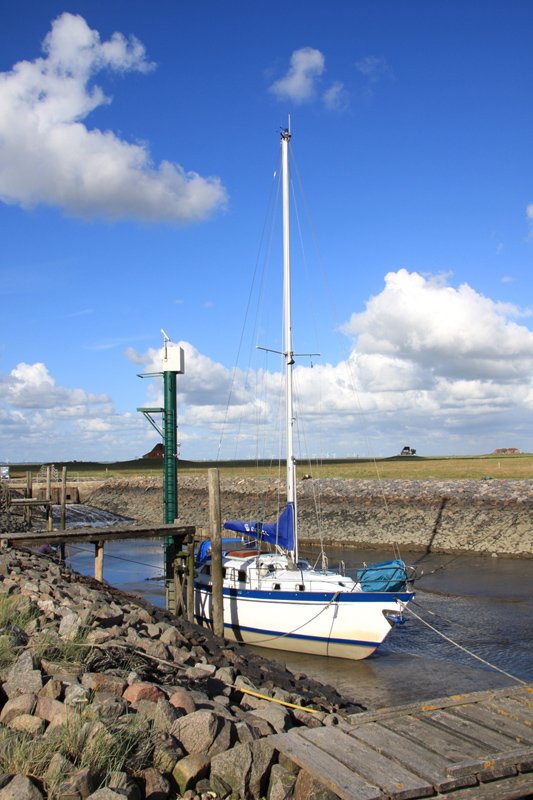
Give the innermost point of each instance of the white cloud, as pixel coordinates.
(441, 367)
(32, 386)
(299, 84)
(49, 156)
(336, 97)
(374, 68)
(446, 331)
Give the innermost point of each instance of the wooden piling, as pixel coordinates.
(29, 493)
(63, 498)
(190, 581)
(99, 560)
(215, 521)
(49, 525)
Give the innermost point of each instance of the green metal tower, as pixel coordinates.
(172, 364)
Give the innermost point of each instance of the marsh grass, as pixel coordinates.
(17, 617)
(123, 745)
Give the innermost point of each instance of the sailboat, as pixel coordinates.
(277, 599)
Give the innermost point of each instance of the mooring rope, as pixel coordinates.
(460, 646)
(289, 633)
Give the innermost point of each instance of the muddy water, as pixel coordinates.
(483, 604)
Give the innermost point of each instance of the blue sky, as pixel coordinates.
(138, 145)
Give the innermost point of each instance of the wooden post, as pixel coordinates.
(179, 577)
(190, 581)
(215, 521)
(49, 525)
(99, 561)
(63, 498)
(29, 492)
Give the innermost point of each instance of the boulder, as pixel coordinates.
(189, 770)
(21, 704)
(156, 786)
(204, 732)
(142, 690)
(20, 788)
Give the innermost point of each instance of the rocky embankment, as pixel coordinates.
(106, 697)
(488, 516)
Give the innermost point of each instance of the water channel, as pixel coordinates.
(482, 603)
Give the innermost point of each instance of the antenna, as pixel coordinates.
(165, 336)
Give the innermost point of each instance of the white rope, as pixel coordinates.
(460, 646)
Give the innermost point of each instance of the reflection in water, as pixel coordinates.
(485, 604)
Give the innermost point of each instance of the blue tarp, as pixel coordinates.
(384, 576)
(280, 532)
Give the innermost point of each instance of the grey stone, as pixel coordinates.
(101, 682)
(121, 782)
(308, 787)
(27, 723)
(105, 794)
(281, 784)
(80, 784)
(189, 770)
(156, 786)
(107, 616)
(23, 678)
(204, 732)
(232, 768)
(278, 716)
(20, 788)
(69, 626)
(165, 715)
(166, 754)
(21, 704)
(76, 695)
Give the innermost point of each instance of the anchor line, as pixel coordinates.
(460, 646)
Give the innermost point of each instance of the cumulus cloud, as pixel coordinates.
(448, 332)
(49, 156)
(440, 366)
(32, 386)
(336, 97)
(299, 84)
(445, 366)
(303, 82)
(40, 420)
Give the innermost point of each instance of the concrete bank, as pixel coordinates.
(488, 516)
(106, 697)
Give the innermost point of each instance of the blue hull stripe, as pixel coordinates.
(281, 634)
(311, 597)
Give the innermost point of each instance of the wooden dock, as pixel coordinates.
(180, 535)
(476, 746)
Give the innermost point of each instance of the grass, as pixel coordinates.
(84, 743)
(83, 740)
(504, 467)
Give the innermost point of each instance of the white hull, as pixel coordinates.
(350, 625)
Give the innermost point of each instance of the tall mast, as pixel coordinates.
(287, 335)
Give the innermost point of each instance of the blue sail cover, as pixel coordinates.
(383, 576)
(280, 532)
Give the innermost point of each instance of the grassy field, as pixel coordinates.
(516, 467)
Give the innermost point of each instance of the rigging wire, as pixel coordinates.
(348, 359)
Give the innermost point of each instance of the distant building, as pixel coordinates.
(157, 452)
(506, 451)
(408, 451)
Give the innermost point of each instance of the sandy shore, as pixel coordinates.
(488, 516)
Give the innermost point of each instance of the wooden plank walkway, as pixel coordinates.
(477, 746)
(91, 534)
